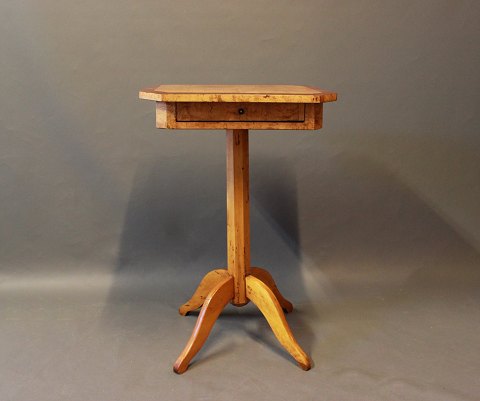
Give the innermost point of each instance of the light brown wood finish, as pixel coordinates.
(208, 282)
(238, 108)
(280, 107)
(267, 278)
(216, 112)
(238, 93)
(216, 300)
(238, 212)
(182, 116)
(263, 297)
(165, 115)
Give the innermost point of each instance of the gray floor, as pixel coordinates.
(78, 342)
(387, 303)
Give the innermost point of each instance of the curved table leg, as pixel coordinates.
(267, 279)
(216, 300)
(208, 282)
(262, 296)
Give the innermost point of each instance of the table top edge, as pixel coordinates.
(310, 95)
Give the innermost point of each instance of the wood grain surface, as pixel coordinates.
(167, 116)
(263, 297)
(208, 282)
(216, 300)
(267, 278)
(238, 93)
(243, 111)
(238, 212)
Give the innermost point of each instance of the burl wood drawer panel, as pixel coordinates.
(239, 115)
(201, 111)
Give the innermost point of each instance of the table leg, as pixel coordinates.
(207, 284)
(216, 300)
(267, 278)
(240, 283)
(262, 296)
(238, 215)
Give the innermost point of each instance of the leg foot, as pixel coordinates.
(216, 300)
(208, 282)
(263, 297)
(267, 278)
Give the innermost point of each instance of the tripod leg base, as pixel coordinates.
(264, 298)
(208, 282)
(267, 279)
(216, 300)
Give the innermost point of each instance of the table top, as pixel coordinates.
(238, 93)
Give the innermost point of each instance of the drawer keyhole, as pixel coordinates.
(241, 111)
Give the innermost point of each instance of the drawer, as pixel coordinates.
(239, 115)
(246, 112)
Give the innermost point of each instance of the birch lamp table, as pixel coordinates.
(236, 109)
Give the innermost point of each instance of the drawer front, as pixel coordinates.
(246, 112)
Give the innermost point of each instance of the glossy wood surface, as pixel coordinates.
(238, 108)
(238, 93)
(267, 278)
(216, 300)
(207, 284)
(202, 111)
(184, 115)
(238, 212)
(263, 297)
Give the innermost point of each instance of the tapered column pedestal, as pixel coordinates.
(239, 283)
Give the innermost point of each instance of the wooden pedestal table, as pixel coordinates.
(238, 108)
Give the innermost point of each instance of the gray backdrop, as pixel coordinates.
(384, 199)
